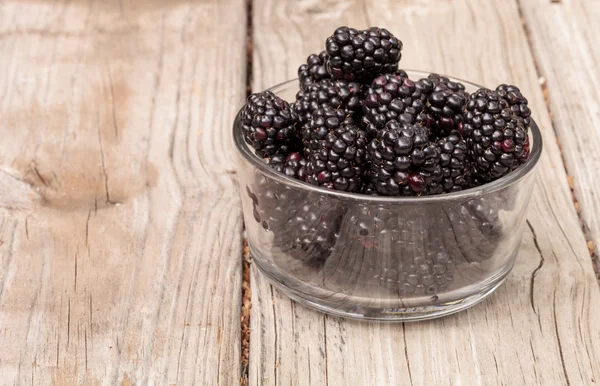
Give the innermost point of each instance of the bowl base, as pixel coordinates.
(380, 313)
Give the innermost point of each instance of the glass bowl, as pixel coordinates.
(382, 258)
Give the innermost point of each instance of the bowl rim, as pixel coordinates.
(482, 190)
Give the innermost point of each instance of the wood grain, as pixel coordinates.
(567, 30)
(120, 221)
(539, 327)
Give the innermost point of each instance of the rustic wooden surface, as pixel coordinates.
(567, 30)
(120, 221)
(540, 327)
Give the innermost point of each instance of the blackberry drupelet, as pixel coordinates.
(335, 93)
(391, 97)
(444, 100)
(496, 137)
(456, 168)
(517, 102)
(269, 125)
(404, 162)
(401, 73)
(337, 158)
(313, 70)
(362, 55)
(292, 165)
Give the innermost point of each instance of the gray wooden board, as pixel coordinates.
(539, 327)
(120, 220)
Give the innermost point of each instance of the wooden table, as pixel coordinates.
(121, 230)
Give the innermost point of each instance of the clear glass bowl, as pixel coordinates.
(383, 258)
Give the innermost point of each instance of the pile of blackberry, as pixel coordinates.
(359, 124)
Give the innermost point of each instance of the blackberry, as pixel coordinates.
(445, 100)
(387, 251)
(313, 70)
(474, 237)
(404, 162)
(517, 102)
(456, 168)
(304, 227)
(362, 55)
(337, 159)
(269, 124)
(496, 137)
(346, 269)
(292, 165)
(485, 211)
(391, 97)
(338, 94)
(311, 233)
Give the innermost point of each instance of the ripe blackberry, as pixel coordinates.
(444, 102)
(269, 124)
(304, 228)
(337, 159)
(311, 232)
(516, 101)
(338, 94)
(404, 162)
(456, 168)
(485, 211)
(476, 229)
(313, 70)
(391, 97)
(496, 137)
(362, 55)
(401, 251)
(292, 165)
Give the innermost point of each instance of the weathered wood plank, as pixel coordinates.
(120, 221)
(568, 30)
(539, 327)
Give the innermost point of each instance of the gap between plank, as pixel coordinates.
(248, 47)
(246, 313)
(246, 259)
(586, 234)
